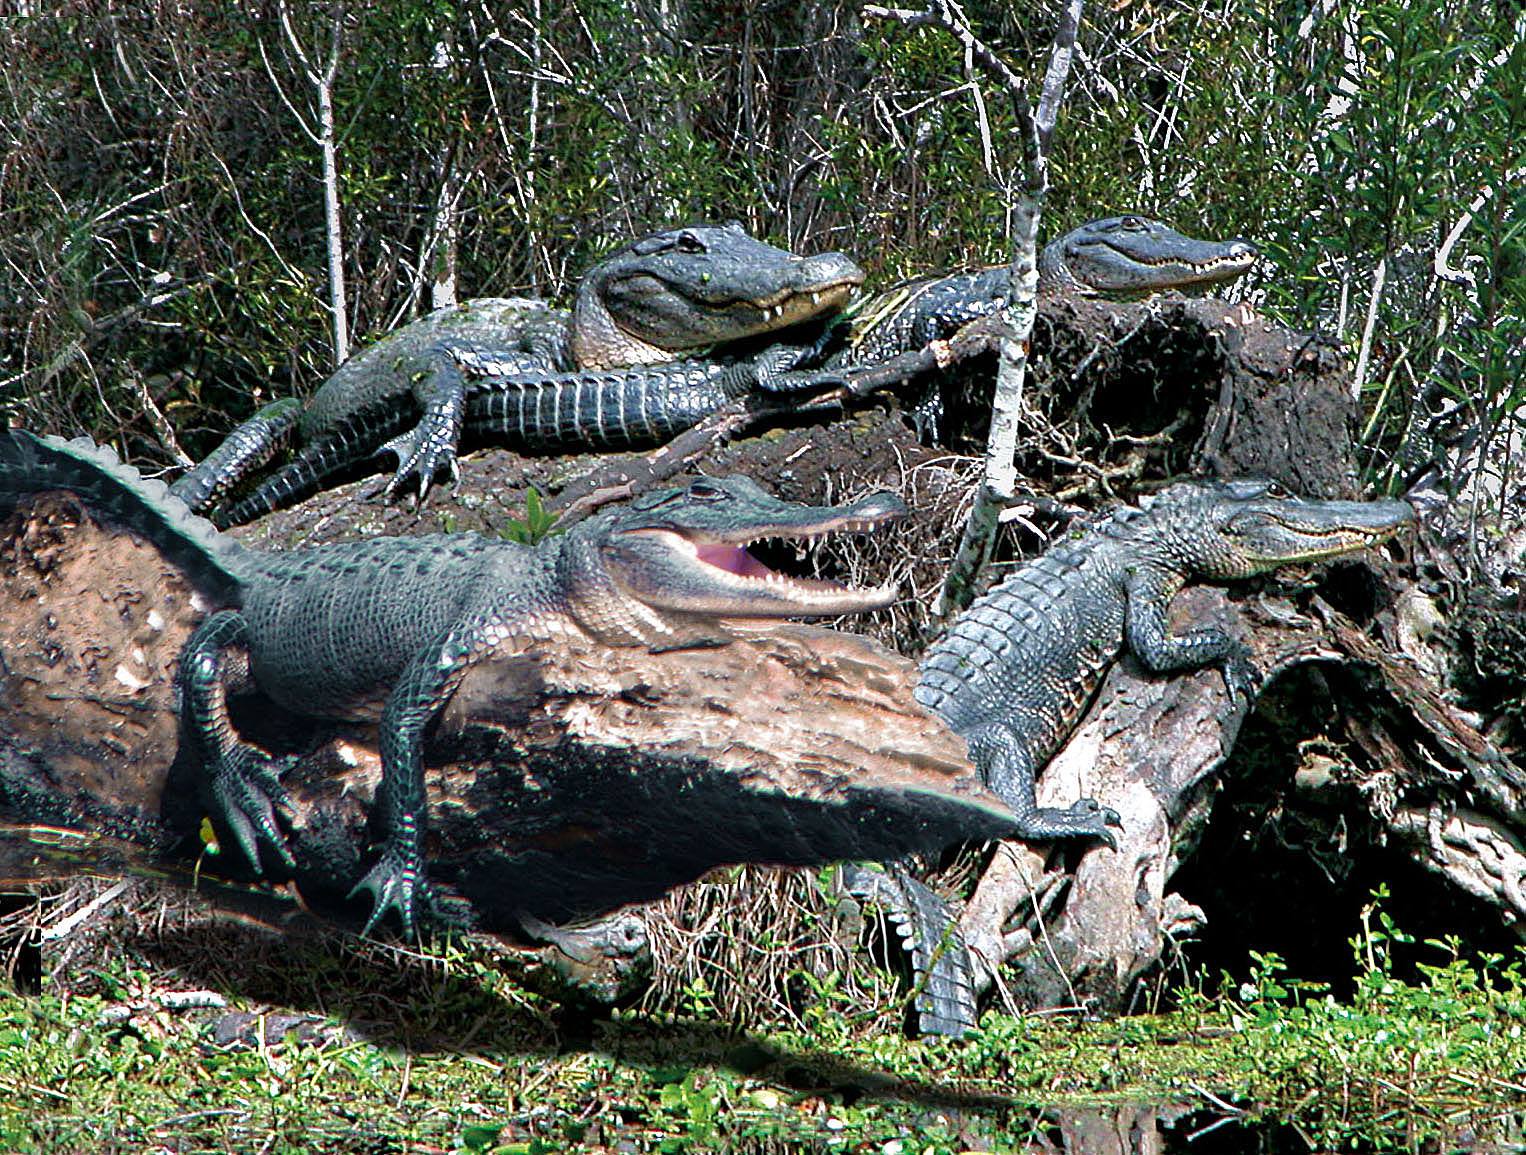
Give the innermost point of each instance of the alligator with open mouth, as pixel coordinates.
(387, 627)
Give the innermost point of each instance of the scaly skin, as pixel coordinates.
(1015, 671)
(389, 626)
(942, 970)
(602, 960)
(659, 299)
(1115, 257)
(1112, 257)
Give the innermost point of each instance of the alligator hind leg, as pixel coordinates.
(1008, 769)
(243, 782)
(242, 452)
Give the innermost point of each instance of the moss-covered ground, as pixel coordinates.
(396, 1052)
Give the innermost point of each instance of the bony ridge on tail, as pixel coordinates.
(386, 628)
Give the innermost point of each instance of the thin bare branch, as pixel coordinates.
(1359, 378)
(1026, 198)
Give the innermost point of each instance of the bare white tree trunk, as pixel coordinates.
(998, 488)
(322, 80)
(442, 260)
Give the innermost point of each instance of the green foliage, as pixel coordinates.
(535, 526)
(1399, 1065)
(164, 203)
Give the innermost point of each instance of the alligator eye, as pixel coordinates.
(1132, 224)
(689, 243)
(706, 491)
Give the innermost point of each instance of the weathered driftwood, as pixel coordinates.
(564, 784)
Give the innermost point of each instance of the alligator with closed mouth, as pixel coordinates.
(623, 368)
(1015, 672)
(1118, 258)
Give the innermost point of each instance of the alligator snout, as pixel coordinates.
(880, 506)
(826, 270)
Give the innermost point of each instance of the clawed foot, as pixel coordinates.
(397, 883)
(1241, 678)
(1086, 818)
(422, 452)
(246, 791)
(776, 372)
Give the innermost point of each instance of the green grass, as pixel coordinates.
(451, 1054)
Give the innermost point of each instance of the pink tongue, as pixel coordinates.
(732, 559)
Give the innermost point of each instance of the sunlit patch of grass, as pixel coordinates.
(443, 1051)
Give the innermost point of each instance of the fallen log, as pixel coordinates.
(562, 784)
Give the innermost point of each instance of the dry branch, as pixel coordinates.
(999, 488)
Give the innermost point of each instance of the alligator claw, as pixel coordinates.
(395, 883)
(246, 791)
(421, 452)
(1241, 678)
(398, 883)
(1085, 818)
(1097, 818)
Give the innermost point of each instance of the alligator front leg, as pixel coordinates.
(399, 880)
(779, 369)
(1007, 768)
(243, 782)
(1150, 639)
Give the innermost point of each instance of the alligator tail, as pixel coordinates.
(942, 970)
(30, 464)
(242, 452)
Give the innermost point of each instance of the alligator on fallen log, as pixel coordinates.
(1016, 670)
(562, 788)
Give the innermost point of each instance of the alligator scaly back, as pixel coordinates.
(30, 464)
